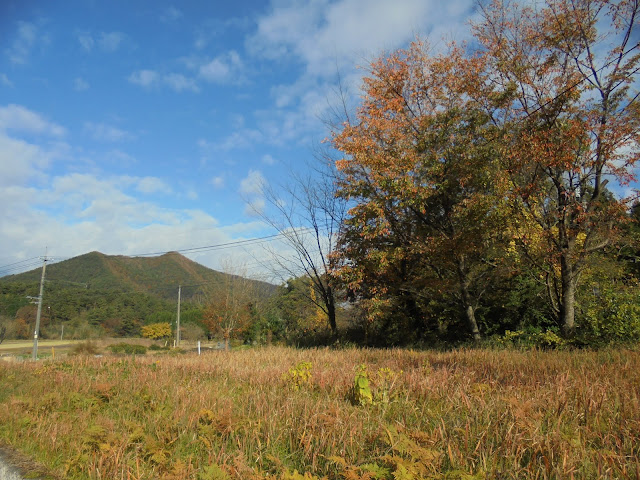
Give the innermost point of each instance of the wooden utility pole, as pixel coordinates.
(34, 352)
(178, 318)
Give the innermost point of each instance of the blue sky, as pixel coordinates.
(144, 126)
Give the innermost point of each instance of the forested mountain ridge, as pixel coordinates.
(158, 276)
(98, 294)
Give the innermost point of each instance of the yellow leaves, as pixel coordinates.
(157, 330)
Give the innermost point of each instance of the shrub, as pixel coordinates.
(128, 349)
(532, 338)
(299, 377)
(85, 348)
(158, 347)
(157, 330)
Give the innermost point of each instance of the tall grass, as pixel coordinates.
(464, 414)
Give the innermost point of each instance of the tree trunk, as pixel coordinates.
(470, 314)
(331, 313)
(466, 300)
(568, 298)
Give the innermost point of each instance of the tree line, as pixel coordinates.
(487, 185)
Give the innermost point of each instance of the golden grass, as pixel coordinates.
(464, 414)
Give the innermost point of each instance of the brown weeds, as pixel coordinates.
(464, 414)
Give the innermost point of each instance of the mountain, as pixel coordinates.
(96, 294)
(157, 276)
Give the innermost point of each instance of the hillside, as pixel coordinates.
(158, 276)
(96, 294)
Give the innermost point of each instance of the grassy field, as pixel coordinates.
(341, 414)
(48, 347)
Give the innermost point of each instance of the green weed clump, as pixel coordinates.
(468, 414)
(128, 349)
(299, 377)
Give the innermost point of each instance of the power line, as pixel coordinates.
(21, 261)
(220, 246)
(35, 261)
(19, 268)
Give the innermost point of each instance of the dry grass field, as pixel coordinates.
(338, 414)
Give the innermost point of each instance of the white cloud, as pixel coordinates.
(176, 81)
(255, 207)
(253, 183)
(20, 161)
(192, 194)
(326, 35)
(80, 84)
(144, 78)
(268, 160)
(4, 80)
(24, 42)
(223, 69)
(171, 14)
(179, 82)
(217, 182)
(152, 185)
(204, 144)
(120, 157)
(86, 41)
(107, 41)
(95, 213)
(18, 118)
(74, 213)
(111, 41)
(106, 133)
(242, 138)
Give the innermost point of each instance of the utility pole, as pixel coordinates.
(34, 353)
(178, 318)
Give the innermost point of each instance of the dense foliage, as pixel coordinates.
(478, 179)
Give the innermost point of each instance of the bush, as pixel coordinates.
(85, 348)
(128, 349)
(157, 330)
(532, 338)
(611, 316)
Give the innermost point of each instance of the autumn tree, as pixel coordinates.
(156, 331)
(421, 166)
(566, 75)
(229, 304)
(308, 215)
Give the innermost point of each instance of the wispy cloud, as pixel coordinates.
(323, 34)
(111, 41)
(179, 82)
(80, 84)
(330, 37)
(223, 68)
(152, 185)
(86, 41)
(253, 183)
(107, 41)
(4, 80)
(18, 118)
(144, 78)
(217, 182)
(175, 81)
(25, 40)
(107, 133)
(268, 160)
(171, 14)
